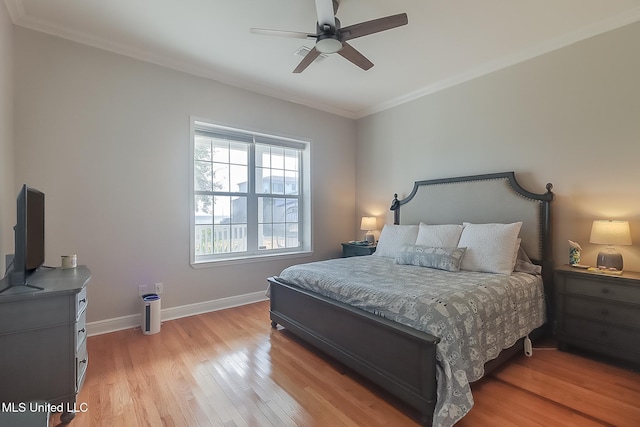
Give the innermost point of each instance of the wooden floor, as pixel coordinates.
(229, 368)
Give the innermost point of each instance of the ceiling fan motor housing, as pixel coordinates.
(328, 39)
(328, 43)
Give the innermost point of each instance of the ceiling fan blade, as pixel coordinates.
(374, 26)
(307, 60)
(326, 16)
(350, 53)
(282, 33)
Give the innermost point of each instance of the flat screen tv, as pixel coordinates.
(29, 236)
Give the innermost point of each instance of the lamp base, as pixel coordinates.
(370, 237)
(610, 258)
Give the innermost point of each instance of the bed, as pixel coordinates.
(424, 358)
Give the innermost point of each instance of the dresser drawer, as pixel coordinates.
(34, 313)
(604, 334)
(604, 311)
(81, 330)
(81, 302)
(602, 289)
(82, 360)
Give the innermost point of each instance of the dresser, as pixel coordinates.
(43, 343)
(599, 312)
(353, 249)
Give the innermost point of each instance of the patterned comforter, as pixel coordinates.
(475, 315)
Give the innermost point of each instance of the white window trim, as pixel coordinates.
(306, 248)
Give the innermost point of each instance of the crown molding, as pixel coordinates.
(19, 17)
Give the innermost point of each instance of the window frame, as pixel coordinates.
(253, 253)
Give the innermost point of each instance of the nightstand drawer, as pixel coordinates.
(621, 314)
(349, 250)
(607, 335)
(602, 289)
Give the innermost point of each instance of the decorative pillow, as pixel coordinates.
(433, 257)
(490, 247)
(393, 238)
(439, 236)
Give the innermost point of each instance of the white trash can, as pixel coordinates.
(150, 314)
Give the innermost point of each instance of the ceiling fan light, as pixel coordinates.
(328, 45)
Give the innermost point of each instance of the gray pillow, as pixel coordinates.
(448, 259)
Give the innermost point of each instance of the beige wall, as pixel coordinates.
(106, 138)
(570, 117)
(7, 190)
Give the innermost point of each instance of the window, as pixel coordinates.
(250, 194)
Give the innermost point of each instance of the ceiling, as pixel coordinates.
(445, 43)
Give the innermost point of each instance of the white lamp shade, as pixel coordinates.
(368, 223)
(609, 232)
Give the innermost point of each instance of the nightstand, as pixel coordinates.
(599, 312)
(351, 249)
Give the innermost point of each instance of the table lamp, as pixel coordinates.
(369, 224)
(610, 233)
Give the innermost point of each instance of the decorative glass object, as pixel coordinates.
(574, 256)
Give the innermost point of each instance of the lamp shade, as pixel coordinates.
(368, 223)
(609, 232)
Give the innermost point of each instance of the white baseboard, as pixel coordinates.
(132, 321)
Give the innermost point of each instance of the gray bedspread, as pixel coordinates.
(475, 315)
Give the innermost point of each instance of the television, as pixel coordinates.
(29, 236)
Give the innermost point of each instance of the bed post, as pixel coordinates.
(395, 207)
(547, 259)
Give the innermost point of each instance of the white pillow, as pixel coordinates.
(439, 236)
(490, 247)
(394, 237)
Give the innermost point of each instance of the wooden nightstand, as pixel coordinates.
(351, 249)
(599, 312)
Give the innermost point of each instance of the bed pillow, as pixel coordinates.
(448, 259)
(490, 247)
(442, 236)
(393, 238)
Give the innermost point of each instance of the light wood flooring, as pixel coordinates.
(229, 368)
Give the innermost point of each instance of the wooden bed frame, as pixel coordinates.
(397, 358)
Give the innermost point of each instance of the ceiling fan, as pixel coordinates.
(331, 38)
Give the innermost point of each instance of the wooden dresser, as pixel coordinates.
(43, 343)
(599, 312)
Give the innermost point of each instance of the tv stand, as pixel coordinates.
(43, 339)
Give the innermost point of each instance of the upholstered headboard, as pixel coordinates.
(490, 198)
